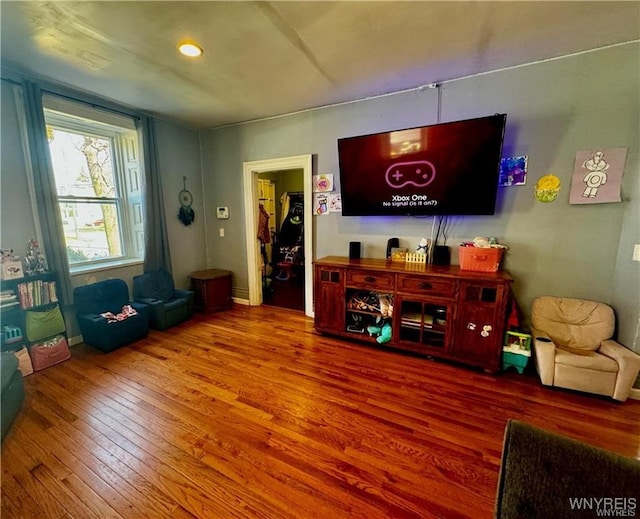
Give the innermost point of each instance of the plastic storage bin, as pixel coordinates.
(11, 335)
(480, 259)
(516, 351)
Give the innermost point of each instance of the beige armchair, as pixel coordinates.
(574, 349)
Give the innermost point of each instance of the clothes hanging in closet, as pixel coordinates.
(263, 225)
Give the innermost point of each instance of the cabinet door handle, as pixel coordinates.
(369, 279)
(425, 285)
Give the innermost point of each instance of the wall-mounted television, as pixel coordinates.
(442, 169)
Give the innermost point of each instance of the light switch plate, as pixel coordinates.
(636, 252)
(222, 213)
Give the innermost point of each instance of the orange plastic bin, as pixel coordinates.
(480, 259)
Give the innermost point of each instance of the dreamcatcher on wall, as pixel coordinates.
(186, 214)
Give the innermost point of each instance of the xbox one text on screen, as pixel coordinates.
(443, 169)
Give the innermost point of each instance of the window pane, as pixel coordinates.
(82, 164)
(91, 231)
(98, 204)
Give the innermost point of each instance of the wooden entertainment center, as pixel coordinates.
(437, 311)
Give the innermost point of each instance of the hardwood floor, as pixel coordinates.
(285, 294)
(249, 413)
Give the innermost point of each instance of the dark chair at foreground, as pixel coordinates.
(100, 332)
(12, 391)
(169, 305)
(544, 475)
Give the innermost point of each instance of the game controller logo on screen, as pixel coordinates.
(419, 173)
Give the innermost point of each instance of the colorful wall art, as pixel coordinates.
(513, 171)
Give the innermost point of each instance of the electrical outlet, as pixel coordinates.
(636, 252)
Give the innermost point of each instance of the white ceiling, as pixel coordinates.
(268, 58)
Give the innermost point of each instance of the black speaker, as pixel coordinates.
(441, 255)
(393, 242)
(354, 250)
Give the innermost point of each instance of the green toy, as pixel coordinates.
(383, 333)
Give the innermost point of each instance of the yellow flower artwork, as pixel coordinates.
(547, 188)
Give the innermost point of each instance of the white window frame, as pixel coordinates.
(121, 132)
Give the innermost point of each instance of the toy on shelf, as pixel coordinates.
(416, 257)
(34, 260)
(11, 265)
(398, 254)
(383, 332)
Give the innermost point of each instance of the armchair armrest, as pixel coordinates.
(545, 356)
(628, 367)
(188, 295)
(148, 301)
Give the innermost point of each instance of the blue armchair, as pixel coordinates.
(169, 305)
(104, 334)
(12, 391)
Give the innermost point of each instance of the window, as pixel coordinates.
(96, 166)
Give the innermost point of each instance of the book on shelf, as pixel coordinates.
(9, 304)
(37, 293)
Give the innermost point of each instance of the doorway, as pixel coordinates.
(281, 235)
(301, 265)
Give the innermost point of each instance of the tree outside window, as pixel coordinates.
(97, 178)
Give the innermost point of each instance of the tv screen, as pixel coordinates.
(441, 169)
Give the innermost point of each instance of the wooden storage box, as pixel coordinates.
(212, 290)
(480, 259)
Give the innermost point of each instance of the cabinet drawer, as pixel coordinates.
(425, 285)
(370, 279)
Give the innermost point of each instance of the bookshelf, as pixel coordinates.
(37, 292)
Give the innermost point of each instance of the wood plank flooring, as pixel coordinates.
(250, 413)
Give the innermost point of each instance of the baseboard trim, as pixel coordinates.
(239, 301)
(634, 393)
(75, 340)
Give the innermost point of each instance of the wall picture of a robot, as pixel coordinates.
(597, 176)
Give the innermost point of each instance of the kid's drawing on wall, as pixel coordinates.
(513, 171)
(325, 203)
(320, 204)
(323, 183)
(597, 176)
(335, 203)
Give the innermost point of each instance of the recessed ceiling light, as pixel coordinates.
(190, 49)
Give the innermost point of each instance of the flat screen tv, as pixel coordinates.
(442, 169)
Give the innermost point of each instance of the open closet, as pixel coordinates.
(281, 235)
